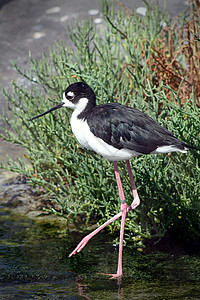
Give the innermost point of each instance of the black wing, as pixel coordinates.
(126, 127)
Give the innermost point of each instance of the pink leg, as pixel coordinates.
(123, 211)
(136, 199)
(133, 205)
(86, 239)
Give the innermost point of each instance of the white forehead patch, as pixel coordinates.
(71, 94)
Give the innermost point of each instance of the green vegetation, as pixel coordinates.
(148, 62)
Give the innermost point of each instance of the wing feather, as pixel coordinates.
(124, 127)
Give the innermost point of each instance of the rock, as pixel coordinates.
(17, 194)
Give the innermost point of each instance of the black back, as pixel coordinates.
(126, 127)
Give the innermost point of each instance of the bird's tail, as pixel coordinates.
(187, 147)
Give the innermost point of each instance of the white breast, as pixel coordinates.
(89, 141)
(81, 131)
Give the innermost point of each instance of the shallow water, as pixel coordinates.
(34, 264)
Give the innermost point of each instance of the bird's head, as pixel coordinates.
(77, 96)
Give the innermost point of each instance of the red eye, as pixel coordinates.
(70, 97)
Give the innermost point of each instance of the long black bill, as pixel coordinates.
(48, 111)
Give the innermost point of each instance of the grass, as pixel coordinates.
(148, 62)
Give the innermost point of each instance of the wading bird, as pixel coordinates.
(116, 132)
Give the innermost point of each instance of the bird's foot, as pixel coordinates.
(112, 276)
(80, 246)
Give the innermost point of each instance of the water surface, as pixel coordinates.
(34, 264)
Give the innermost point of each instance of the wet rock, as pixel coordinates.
(17, 194)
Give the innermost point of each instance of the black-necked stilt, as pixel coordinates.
(116, 132)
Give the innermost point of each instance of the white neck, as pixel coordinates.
(80, 106)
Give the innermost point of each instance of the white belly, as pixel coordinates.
(88, 140)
